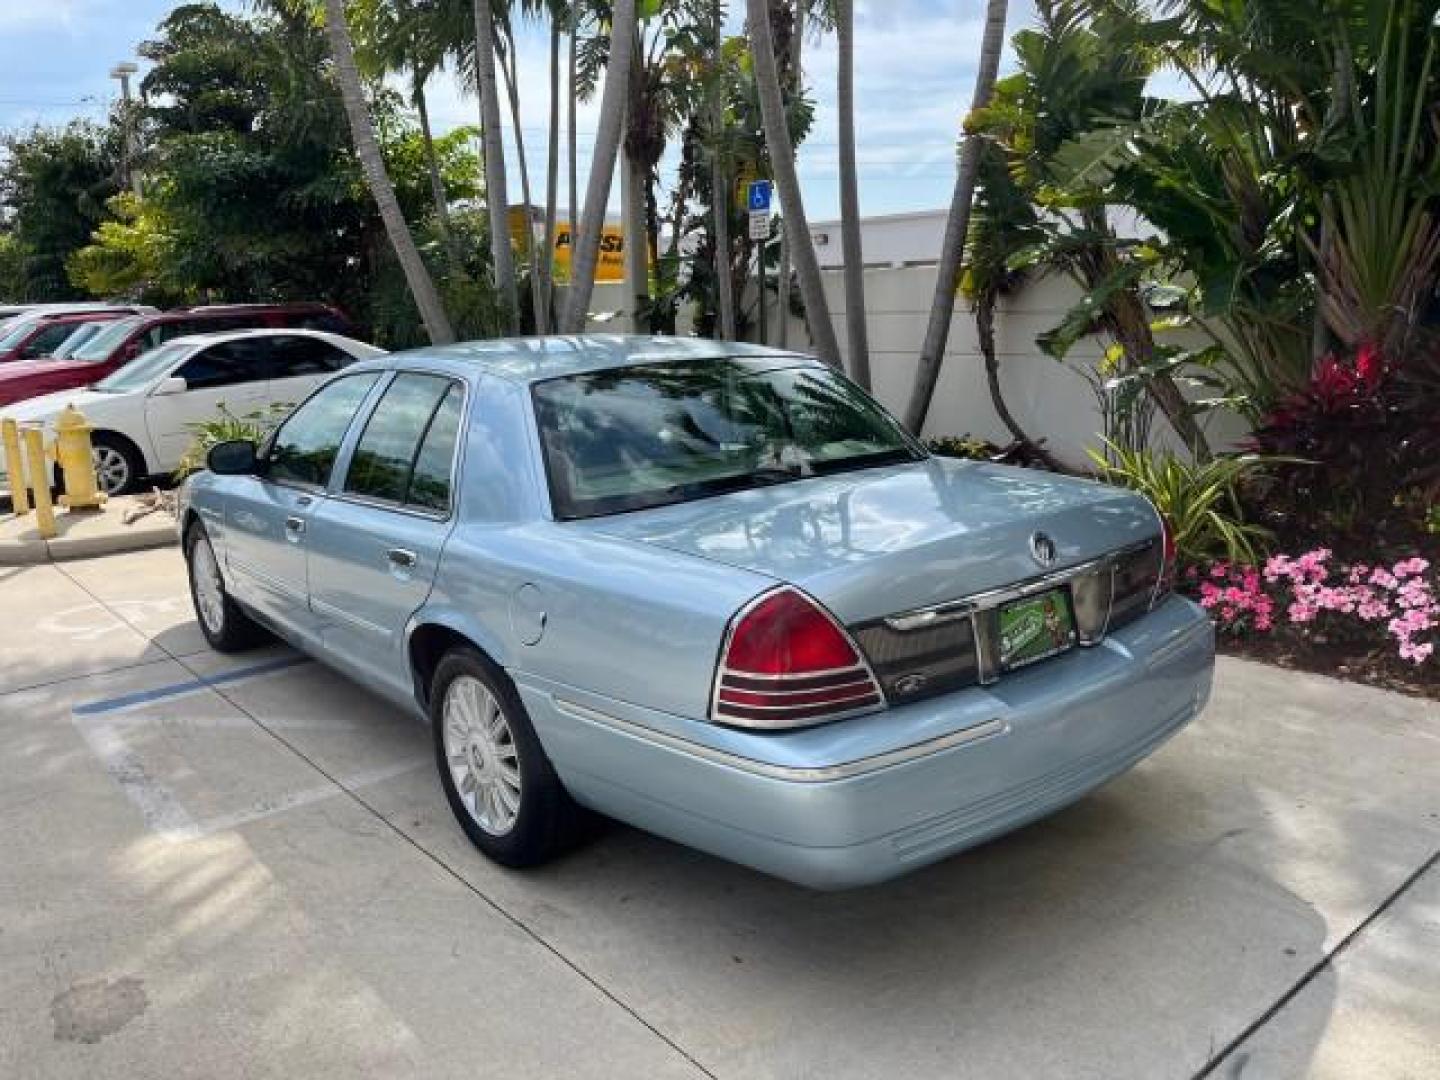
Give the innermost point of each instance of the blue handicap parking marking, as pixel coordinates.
(760, 195)
(140, 697)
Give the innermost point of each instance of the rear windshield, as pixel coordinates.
(99, 347)
(649, 435)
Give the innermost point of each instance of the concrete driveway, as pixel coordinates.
(223, 867)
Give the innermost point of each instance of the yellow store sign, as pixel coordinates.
(612, 247)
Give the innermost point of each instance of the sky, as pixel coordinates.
(914, 72)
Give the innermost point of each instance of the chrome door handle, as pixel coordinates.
(295, 524)
(400, 557)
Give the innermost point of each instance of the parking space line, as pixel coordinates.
(190, 686)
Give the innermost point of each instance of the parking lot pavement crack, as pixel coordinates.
(1217, 1059)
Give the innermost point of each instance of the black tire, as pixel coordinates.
(236, 631)
(119, 468)
(547, 821)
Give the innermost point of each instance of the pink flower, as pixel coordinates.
(1417, 654)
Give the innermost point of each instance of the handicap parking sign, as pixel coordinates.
(759, 198)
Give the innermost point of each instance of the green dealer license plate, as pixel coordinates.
(1036, 627)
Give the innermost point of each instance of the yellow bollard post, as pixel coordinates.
(76, 460)
(39, 482)
(14, 467)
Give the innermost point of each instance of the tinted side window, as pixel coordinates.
(227, 364)
(304, 448)
(430, 481)
(48, 339)
(386, 453)
(291, 357)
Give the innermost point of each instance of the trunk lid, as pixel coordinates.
(883, 541)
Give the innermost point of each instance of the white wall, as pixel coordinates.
(1050, 400)
(885, 239)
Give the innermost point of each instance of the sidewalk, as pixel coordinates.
(84, 534)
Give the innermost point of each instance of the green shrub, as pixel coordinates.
(1199, 499)
(254, 426)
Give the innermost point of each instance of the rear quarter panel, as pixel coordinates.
(559, 604)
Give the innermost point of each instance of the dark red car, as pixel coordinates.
(126, 338)
(33, 336)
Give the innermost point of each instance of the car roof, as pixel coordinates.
(535, 359)
(50, 318)
(216, 336)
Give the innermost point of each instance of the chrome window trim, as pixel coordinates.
(797, 774)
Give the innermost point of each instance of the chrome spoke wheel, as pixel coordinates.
(481, 754)
(112, 471)
(209, 589)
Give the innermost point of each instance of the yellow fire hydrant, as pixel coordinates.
(74, 455)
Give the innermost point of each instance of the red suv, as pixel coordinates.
(124, 339)
(31, 337)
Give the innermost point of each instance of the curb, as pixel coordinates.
(82, 537)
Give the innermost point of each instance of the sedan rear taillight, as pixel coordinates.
(1165, 583)
(787, 663)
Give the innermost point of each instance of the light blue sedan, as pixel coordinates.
(711, 590)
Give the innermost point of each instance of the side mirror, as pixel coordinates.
(174, 384)
(234, 457)
(129, 352)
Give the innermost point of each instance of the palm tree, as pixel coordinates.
(394, 36)
(496, 200)
(855, 331)
(367, 149)
(782, 163)
(546, 265)
(509, 72)
(947, 279)
(586, 250)
(720, 187)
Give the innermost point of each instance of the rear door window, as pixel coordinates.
(230, 363)
(292, 357)
(396, 447)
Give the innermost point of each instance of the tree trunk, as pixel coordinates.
(720, 191)
(367, 149)
(527, 235)
(952, 248)
(496, 200)
(985, 330)
(437, 182)
(633, 176)
(552, 177)
(858, 338)
(797, 84)
(632, 213)
(585, 254)
(1130, 323)
(782, 163)
(573, 148)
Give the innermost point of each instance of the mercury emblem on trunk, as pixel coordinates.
(1042, 549)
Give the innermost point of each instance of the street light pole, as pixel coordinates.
(128, 176)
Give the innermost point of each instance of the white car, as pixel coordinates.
(141, 413)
